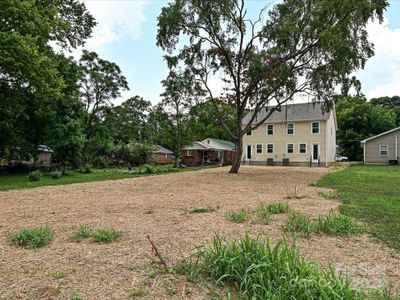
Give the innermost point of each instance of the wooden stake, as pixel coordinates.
(154, 247)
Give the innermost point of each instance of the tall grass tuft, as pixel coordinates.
(278, 208)
(261, 271)
(106, 236)
(338, 225)
(32, 238)
(80, 233)
(298, 223)
(236, 216)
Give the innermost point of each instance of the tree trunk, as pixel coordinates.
(85, 153)
(238, 156)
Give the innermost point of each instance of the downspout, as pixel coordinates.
(396, 147)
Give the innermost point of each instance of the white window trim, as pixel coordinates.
(287, 129)
(273, 129)
(261, 148)
(380, 150)
(273, 148)
(189, 153)
(299, 147)
(294, 150)
(319, 127)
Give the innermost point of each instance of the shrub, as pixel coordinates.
(80, 233)
(299, 223)
(85, 169)
(105, 236)
(236, 216)
(32, 238)
(34, 175)
(56, 175)
(147, 169)
(278, 208)
(260, 271)
(99, 162)
(199, 210)
(338, 225)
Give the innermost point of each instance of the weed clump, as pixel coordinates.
(199, 210)
(341, 225)
(236, 216)
(80, 233)
(298, 223)
(106, 236)
(32, 238)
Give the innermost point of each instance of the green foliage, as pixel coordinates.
(236, 216)
(85, 169)
(337, 225)
(32, 238)
(261, 271)
(81, 233)
(298, 223)
(392, 103)
(278, 208)
(352, 115)
(134, 153)
(199, 210)
(263, 216)
(99, 162)
(106, 236)
(34, 175)
(138, 292)
(75, 296)
(370, 194)
(147, 169)
(56, 174)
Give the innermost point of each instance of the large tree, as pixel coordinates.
(392, 103)
(298, 46)
(358, 120)
(101, 82)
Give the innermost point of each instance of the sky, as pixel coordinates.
(126, 34)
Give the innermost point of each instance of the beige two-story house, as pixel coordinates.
(299, 134)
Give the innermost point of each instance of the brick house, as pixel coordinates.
(162, 155)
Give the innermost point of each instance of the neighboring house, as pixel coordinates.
(208, 151)
(298, 134)
(382, 148)
(162, 155)
(44, 156)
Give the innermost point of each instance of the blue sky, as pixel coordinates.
(126, 34)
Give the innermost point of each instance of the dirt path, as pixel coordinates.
(158, 206)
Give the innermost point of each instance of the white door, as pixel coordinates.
(315, 153)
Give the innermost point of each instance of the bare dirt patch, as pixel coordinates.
(159, 206)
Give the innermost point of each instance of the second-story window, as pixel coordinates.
(249, 132)
(270, 129)
(315, 127)
(290, 128)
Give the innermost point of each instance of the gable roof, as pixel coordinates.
(293, 112)
(211, 144)
(44, 149)
(161, 149)
(196, 145)
(379, 135)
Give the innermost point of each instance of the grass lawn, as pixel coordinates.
(20, 181)
(371, 194)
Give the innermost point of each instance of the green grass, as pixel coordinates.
(20, 181)
(80, 233)
(370, 194)
(278, 208)
(298, 223)
(106, 236)
(138, 292)
(32, 238)
(337, 225)
(200, 210)
(236, 216)
(257, 270)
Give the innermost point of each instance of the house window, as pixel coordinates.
(290, 128)
(302, 148)
(249, 132)
(270, 148)
(315, 127)
(188, 152)
(383, 150)
(270, 129)
(290, 148)
(259, 148)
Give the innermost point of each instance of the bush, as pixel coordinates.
(34, 175)
(299, 223)
(105, 236)
(85, 169)
(80, 233)
(32, 238)
(56, 175)
(260, 271)
(236, 216)
(147, 169)
(338, 225)
(100, 162)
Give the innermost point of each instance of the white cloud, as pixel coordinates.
(381, 76)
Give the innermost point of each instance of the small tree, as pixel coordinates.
(311, 46)
(101, 81)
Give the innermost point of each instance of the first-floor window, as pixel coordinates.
(259, 148)
(302, 148)
(270, 148)
(383, 150)
(290, 148)
(188, 152)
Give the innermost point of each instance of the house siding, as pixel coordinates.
(162, 158)
(371, 148)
